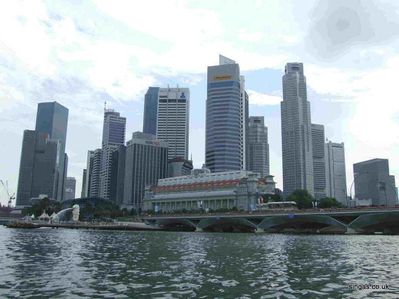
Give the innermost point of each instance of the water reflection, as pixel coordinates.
(86, 264)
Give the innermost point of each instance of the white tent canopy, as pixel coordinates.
(44, 216)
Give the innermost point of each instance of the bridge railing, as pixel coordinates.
(272, 211)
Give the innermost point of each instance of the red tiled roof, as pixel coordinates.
(196, 186)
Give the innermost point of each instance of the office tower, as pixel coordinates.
(244, 118)
(70, 188)
(52, 118)
(258, 146)
(83, 193)
(146, 162)
(118, 174)
(179, 167)
(113, 136)
(89, 172)
(173, 120)
(225, 117)
(66, 161)
(335, 172)
(296, 132)
(38, 166)
(319, 161)
(95, 172)
(150, 111)
(373, 181)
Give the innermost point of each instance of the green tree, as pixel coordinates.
(302, 198)
(45, 204)
(272, 197)
(329, 202)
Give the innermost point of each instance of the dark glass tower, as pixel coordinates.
(150, 111)
(52, 119)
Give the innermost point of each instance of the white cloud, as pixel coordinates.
(263, 99)
(246, 36)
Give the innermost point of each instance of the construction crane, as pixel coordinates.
(11, 197)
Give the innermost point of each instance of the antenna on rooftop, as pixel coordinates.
(105, 105)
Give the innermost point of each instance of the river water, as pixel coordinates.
(61, 263)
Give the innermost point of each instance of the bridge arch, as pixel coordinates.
(226, 224)
(322, 221)
(387, 221)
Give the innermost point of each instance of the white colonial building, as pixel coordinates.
(213, 191)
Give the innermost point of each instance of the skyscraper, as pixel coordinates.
(150, 111)
(244, 118)
(258, 146)
(146, 162)
(319, 161)
(70, 188)
(173, 120)
(83, 193)
(95, 158)
(335, 171)
(226, 117)
(118, 174)
(296, 132)
(52, 119)
(166, 115)
(113, 136)
(38, 166)
(373, 181)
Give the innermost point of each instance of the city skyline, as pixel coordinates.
(342, 85)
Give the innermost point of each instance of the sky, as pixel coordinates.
(83, 53)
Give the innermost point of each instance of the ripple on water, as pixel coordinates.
(86, 264)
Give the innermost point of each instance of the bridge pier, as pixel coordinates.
(259, 230)
(350, 231)
(198, 229)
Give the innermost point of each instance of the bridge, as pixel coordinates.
(337, 221)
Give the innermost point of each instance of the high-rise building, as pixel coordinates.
(94, 172)
(335, 172)
(38, 166)
(113, 136)
(179, 167)
(296, 132)
(373, 181)
(173, 120)
(226, 117)
(118, 174)
(83, 193)
(52, 118)
(150, 111)
(146, 162)
(319, 161)
(258, 146)
(166, 115)
(89, 172)
(70, 188)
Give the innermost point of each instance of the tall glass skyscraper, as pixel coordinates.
(258, 146)
(225, 118)
(150, 111)
(335, 171)
(113, 136)
(296, 132)
(319, 161)
(38, 167)
(52, 118)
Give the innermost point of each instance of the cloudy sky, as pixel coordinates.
(82, 53)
